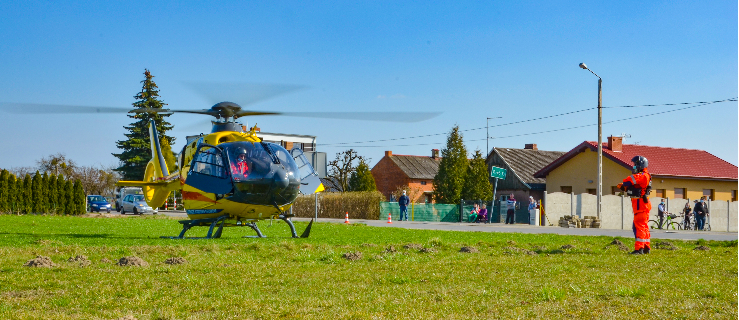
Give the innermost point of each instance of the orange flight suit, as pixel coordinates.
(239, 170)
(641, 208)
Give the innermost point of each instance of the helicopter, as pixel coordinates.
(228, 177)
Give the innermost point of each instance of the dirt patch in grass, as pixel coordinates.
(132, 262)
(414, 246)
(40, 261)
(371, 245)
(352, 256)
(469, 250)
(428, 250)
(568, 246)
(702, 248)
(618, 244)
(82, 260)
(510, 250)
(175, 260)
(665, 245)
(106, 260)
(511, 242)
(390, 249)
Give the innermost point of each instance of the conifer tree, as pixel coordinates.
(45, 193)
(51, 195)
(78, 195)
(477, 185)
(36, 193)
(68, 197)
(450, 178)
(4, 175)
(27, 194)
(136, 149)
(11, 193)
(61, 195)
(362, 179)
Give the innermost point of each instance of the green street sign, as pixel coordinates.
(498, 173)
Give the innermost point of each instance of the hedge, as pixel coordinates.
(42, 194)
(359, 205)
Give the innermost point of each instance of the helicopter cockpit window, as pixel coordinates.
(248, 161)
(304, 167)
(209, 162)
(284, 157)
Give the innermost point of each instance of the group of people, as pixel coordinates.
(478, 213)
(699, 212)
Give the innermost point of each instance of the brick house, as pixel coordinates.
(417, 172)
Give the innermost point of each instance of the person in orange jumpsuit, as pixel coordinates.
(638, 186)
(240, 169)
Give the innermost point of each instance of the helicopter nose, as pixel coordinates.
(280, 179)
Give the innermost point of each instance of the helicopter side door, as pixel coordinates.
(309, 181)
(209, 170)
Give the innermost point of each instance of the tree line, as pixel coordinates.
(40, 194)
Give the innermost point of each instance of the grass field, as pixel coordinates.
(512, 275)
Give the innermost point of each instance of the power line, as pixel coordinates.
(562, 129)
(517, 122)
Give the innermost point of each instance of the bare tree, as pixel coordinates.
(342, 167)
(56, 164)
(97, 180)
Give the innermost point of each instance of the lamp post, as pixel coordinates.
(600, 137)
(487, 133)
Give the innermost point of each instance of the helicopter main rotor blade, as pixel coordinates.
(38, 108)
(368, 116)
(242, 93)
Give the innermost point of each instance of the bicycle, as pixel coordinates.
(692, 225)
(668, 224)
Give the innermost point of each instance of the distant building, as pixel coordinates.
(394, 171)
(304, 142)
(676, 173)
(521, 164)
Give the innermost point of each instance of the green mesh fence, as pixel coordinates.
(422, 212)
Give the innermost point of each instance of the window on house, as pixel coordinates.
(679, 193)
(592, 191)
(733, 195)
(566, 189)
(428, 197)
(308, 147)
(423, 183)
(708, 193)
(659, 193)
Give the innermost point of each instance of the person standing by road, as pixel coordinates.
(661, 209)
(638, 186)
(701, 211)
(511, 213)
(686, 216)
(403, 202)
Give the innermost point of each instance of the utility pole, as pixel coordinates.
(600, 138)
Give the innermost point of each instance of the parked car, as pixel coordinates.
(135, 204)
(97, 203)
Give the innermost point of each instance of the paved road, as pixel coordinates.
(520, 228)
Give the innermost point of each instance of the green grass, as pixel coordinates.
(278, 277)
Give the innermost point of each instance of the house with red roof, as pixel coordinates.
(676, 173)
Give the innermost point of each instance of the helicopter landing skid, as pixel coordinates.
(256, 229)
(187, 224)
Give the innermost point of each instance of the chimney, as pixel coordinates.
(388, 153)
(434, 153)
(531, 146)
(614, 143)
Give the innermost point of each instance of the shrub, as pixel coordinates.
(359, 205)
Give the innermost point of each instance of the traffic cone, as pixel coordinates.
(389, 218)
(346, 218)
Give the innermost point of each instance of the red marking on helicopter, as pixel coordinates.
(190, 195)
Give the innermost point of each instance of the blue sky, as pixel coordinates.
(469, 60)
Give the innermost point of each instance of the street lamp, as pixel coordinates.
(600, 137)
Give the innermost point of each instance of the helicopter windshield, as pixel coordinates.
(249, 161)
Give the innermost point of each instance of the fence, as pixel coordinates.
(433, 212)
(616, 211)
